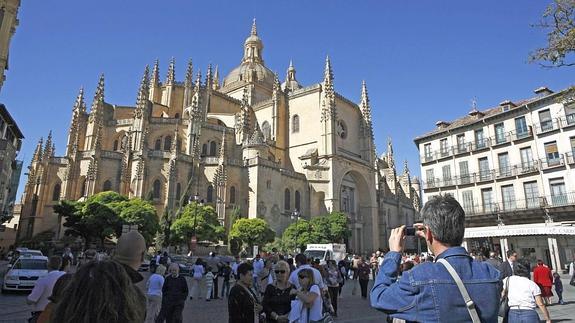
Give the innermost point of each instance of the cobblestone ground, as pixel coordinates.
(352, 308)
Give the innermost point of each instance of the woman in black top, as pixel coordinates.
(243, 303)
(277, 299)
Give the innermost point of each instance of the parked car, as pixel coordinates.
(185, 264)
(23, 274)
(145, 265)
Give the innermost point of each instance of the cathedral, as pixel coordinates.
(251, 143)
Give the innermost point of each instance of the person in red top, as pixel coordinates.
(543, 277)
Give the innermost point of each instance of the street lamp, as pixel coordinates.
(194, 240)
(296, 215)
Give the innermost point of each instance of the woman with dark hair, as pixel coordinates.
(333, 281)
(307, 306)
(100, 291)
(244, 303)
(523, 297)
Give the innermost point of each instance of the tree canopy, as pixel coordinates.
(251, 232)
(329, 228)
(559, 22)
(202, 219)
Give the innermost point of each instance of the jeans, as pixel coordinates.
(225, 288)
(363, 285)
(523, 316)
(215, 289)
(209, 292)
(333, 293)
(170, 313)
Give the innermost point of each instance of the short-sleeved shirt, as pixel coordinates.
(43, 289)
(521, 292)
(315, 311)
(317, 279)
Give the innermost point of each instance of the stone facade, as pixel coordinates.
(8, 24)
(247, 142)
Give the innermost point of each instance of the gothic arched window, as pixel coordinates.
(210, 195)
(178, 191)
(56, 192)
(295, 124)
(156, 189)
(266, 130)
(204, 149)
(287, 197)
(213, 148)
(167, 143)
(232, 195)
(297, 201)
(158, 144)
(107, 185)
(83, 189)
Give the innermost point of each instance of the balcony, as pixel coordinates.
(570, 157)
(462, 148)
(546, 126)
(480, 144)
(568, 120)
(501, 139)
(505, 172)
(444, 152)
(534, 203)
(485, 175)
(528, 167)
(548, 163)
(519, 135)
(428, 157)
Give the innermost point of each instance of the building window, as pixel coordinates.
(545, 121)
(287, 197)
(508, 197)
(531, 194)
(213, 148)
(572, 141)
(484, 172)
(480, 141)
(83, 188)
(504, 167)
(158, 144)
(167, 143)
(443, 147)
(521, 127)
(500, 136)
(552, 154)
(558, 192)
(266, 130)
(468, 201)
(210, 195)
(204, 149)
(107, 186)
(570, 114)
(269, 184)
(464, 172)
(232, 195)
(115, 148)
(178, 192)
(446, 174)
(527, 163)
(295, 124)
(427, 152)
(156, 189)
(487, 199)
(429, 178)
(461, 143)
(56, 192)
(297, 201)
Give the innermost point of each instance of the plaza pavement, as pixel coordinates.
(352, 308)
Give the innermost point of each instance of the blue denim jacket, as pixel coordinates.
(427, 293)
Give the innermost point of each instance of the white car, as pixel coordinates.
(24, 273)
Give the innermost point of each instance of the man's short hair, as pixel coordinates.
(244, 268)
(510, 253)
(301, 259)
(54, 263)
(446, 219)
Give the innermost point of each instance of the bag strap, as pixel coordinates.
(468, 302)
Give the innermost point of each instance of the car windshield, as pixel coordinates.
(315, 254)
(31, 264)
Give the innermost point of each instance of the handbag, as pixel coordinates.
(468, 302)
(504, 302)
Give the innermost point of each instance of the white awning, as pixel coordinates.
(521, 230)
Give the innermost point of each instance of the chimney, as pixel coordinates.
(542, 91)
(442, 124)
(507, 105)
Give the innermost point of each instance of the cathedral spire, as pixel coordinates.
(209, 79)
(405, 168)
(48, 148)
(37, 157)
(366, 109)
(198, 83)
(143, 93)
(98, 104)
(80, 105)
(188, 83)
(171, 77)
(174, 147)
(390, 158)
(328, 74)
(328, 105)
(222, 155)
(254, 28)
(253, 47)
(155, 80)
(216, 85)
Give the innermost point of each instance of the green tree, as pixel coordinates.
(559, 22)
(138, 212)
(251, 232)
(199, 219)
(329, 228)
(298, 235)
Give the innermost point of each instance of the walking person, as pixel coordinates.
(523, 297)
(543, 277)
(363, 276)
(333, 281)
(154, 293)
(558, 287)
(244, 305)
(197, 276)
(214, 263)
(209, 283)
(226, 273)
(174, 294)
(39, 297)
(258, 267)
(277, 300)
(57, 293)
(308, 305)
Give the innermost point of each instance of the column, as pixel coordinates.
(554, 253)
(504, 248)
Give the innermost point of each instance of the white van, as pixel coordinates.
(326, 251)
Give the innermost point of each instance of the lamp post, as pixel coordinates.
(296, 215)
(194, 240)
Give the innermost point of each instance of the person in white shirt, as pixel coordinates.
(43, 288)
(154, 294)
(308, 305)
(235, 268)
(258, 267)
(523, 297)
(301, 262)
(198, 274)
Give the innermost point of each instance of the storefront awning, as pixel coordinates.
(521, 230)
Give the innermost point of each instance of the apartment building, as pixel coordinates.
(512, 168)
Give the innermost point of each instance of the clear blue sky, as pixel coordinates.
(422, 60)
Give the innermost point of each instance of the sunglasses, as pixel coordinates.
(280, 271)
(302, 276)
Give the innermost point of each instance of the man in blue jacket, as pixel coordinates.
(428, 293)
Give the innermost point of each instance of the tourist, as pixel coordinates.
(277, 300)
(154, 293)
(174, 294)
(209, 283)
(226, 273)
(558, 287)
(543, 277)
(363, 276)
(244, 303)
(265, 276)
(130, 251)
(301, 262)
(214, 263)
(259, 265)
(507, 268)
(307, 306)
(57, 292)
(494, 260)
(197, 275)
(422, 292)
(523, 297)
(43, 288)
(333, 281)
(100, 291)
(235, 265)
(374, 265)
